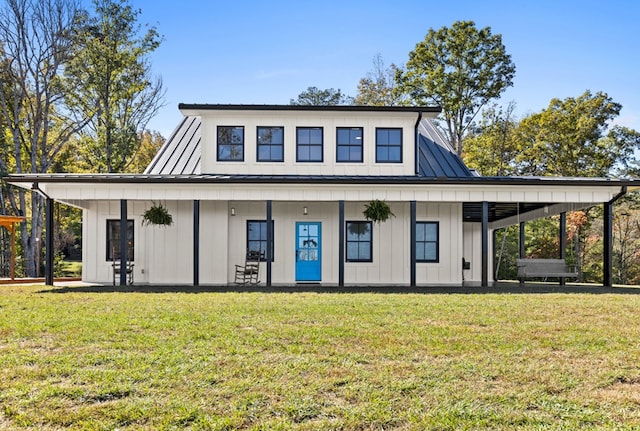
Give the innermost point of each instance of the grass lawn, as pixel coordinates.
(71, 359)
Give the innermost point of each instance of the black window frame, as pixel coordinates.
(424, 242)
(379, 145)
(271, 144)
(358, 241)
(298, 145)
(229, 144)
(113, 244)
(349, 144)
(265, 241)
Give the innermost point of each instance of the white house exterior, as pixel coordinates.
(292, 182)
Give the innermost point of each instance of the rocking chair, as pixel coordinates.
(249, 273)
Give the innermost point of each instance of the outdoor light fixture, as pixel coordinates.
(233, 211)
(305, 211)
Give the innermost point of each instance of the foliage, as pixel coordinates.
(460, 69)
(150, 144)
(377, 211)
(109, 77)
(78, 359)
(316, 97)
(378, 87)
(568, 138)
(157, 215)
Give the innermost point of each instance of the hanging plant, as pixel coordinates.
(157, 215)
(377, 211)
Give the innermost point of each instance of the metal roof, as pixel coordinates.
(350, 108)
(436, 158)
(181, 153)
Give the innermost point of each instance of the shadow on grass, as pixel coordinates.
(499, 288)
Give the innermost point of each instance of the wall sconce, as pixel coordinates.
(233, 211)
(305, 211)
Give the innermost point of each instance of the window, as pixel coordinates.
(270, 144)
(359, 241)
(309, 144)
(349, 144)
(230, 144)
(427, 242)
(113, 240)
(388, 145)
(257, 238)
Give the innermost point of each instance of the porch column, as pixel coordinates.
(412, 241)
(124, 250)
(48, 243)
(607, 243)
(341, 244)
(521, 249)
(563, 241)
(485, 244)
(196, 243)
(269, 240)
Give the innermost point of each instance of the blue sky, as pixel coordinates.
(267, 52)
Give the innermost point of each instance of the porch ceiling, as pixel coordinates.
(472, 211)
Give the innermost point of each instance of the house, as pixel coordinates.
(292, 182)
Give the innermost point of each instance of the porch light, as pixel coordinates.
(305, 211)
(233, 211)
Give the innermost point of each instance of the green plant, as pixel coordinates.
(377, 211)
(157, 215)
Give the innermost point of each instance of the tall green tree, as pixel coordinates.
(378, 87)
(316, 97)
(460, 68)
(36, 43)
(109, 77)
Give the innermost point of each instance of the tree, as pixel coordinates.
(316, 97)
(378, 87)
(570, 138)
(492, 146)
(36, 44)
(460, 69)
(111, 79)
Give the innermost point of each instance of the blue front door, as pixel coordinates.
(308, 251)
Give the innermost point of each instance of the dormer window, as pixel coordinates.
(230, 143)
(270, 144)
(388, 145)
(309, 147)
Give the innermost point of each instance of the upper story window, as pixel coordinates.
(427, 241)
(388, 145)
(270, 144)
(309, 144)
(349, 144)
(230, 143)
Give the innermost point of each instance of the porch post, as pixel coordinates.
(412, 241)
(563, 241)
(196, 243)
(124, 250)
(521, 248)
(485, 244)
(341, 244)
(48, 267)
(269, 240)
(607, 242)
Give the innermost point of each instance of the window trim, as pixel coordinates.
(269, 145)
(241, 159)
(436, 242)
(349, 145)
(346, 242)
(401, 144)
(266, 241)
(310, 145)
(109, 241)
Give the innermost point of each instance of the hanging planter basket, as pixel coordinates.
(157, 215)
(377, 211)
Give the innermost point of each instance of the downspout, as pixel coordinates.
(417, 144)
(623, 191)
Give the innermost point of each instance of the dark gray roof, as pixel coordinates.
(181, 153)
(435, 157)
(351, 108)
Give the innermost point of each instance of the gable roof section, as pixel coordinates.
(436, 158)
(180, 155)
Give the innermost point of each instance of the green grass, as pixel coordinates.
(309, 361)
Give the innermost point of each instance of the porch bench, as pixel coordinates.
(544, 268)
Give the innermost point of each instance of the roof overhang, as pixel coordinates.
(508, 197)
